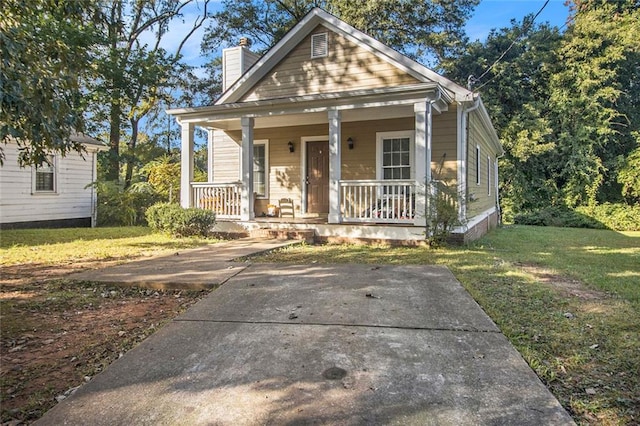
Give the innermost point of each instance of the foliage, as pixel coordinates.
(422, 30)
(163, 174)
(629, 174)
(135, 73)
(595, 96)
(46, 48)
(557, 216)
(173, 219)
(118, 206)
(620, 217)
(442, 212)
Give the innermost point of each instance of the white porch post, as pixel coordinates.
(246, 169)
(186, 165)
(335, 165)
(423, 118)
(210, 155)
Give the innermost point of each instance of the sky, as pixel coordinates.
(499, 13)
(487, 15)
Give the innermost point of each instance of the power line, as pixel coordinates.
(515, 40)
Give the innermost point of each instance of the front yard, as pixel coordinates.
(56, 334)
(568, 299)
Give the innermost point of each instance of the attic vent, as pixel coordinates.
(319, 45)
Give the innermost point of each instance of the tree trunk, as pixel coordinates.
(113, 171)
(131, 158)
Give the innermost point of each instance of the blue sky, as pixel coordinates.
(498, 14)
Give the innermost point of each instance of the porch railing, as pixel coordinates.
(221, 198)
(377, 201)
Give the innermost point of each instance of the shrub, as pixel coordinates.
(620, 217)
(119, 207)
(557, 216)
(179, 222)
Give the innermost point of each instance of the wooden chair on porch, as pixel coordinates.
(287, 208)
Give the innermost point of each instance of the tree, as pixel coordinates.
(46, 55)
(596, 98)
(516, 91)
(136, 72)
(424, 30)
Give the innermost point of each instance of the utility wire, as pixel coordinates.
(515, 40)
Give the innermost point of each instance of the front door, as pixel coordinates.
(318, 177)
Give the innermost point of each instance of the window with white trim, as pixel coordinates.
(488, 175)
(261, 169)
(319, 45)
(395, 155)
(44, 176)
(477, 164)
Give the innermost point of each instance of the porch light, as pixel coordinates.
(291, 147)
(350, 142)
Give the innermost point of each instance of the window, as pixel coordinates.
(488, 175)
(395, 155)
(477, 164)
(260, 169)
(319, 45)
(44, 176)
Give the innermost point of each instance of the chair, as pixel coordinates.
(287, 208)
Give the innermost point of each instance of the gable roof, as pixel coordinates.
(317, 17)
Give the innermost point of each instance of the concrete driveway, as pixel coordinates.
(321, 344)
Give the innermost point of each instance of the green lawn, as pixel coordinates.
(568, 299)
(51, 246)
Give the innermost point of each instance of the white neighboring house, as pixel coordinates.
(53, 195)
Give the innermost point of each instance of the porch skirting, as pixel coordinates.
(314, 232)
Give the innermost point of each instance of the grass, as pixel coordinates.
(53, 246)
(568, 299)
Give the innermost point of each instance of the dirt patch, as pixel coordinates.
(565, 285)
(57, 334)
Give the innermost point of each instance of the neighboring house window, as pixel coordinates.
(44, 176)
(260, 168)
(395, 155)
(477, 164)
(319, 45)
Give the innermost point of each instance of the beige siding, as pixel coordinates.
(482, 200)
(285, 168)
(72, 199)
(347, 67)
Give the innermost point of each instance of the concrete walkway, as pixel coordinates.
(321, 344)
(201, 268)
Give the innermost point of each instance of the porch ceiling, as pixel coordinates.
(302, 119)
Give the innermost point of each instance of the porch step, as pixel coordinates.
(306, 235)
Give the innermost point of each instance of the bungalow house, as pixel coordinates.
(54, 194)
(335, 133)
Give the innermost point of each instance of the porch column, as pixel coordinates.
(246, 169)
(210, 155)
(186, 165)
(335, 164)
(422, 111)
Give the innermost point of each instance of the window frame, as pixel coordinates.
(478, 165)
(265, 143)
(54, 178)
(401, 134)
(489, 175)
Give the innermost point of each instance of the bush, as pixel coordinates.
(119, 207)
(557, 216)
(179, 222)
(620, 217)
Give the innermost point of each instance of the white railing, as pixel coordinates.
(377, 201)
(221, 198)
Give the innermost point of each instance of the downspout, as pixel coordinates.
(464, 150)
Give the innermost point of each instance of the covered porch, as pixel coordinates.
(355, 158)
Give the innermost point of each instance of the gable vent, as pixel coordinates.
(319, 45)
